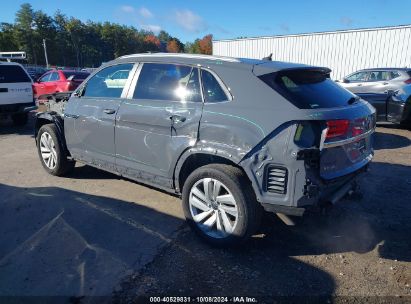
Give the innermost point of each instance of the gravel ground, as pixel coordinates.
(359, 252)
(130, 242)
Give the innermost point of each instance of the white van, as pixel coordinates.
(16, 93)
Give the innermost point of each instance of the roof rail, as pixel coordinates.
(179, 55)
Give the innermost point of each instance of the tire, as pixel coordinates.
(20, 119)
(48, 144)
(208, 215)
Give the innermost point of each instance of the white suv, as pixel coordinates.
(16, 92)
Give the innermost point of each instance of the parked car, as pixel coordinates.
(387, 89)
(231, 136)
(16, 95)
(56, 81)
(35, 72)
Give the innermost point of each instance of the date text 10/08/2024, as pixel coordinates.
(203, 300)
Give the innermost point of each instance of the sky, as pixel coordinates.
(227, 19)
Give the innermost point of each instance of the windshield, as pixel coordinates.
(308, 89)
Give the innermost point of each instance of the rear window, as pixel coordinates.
(13, 74)
(308, 89)
(77, 75)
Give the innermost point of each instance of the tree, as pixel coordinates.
(173, 47)
(151, 39)
(24, 34)
(71, 42)
(206, 44)
(44, 29)
(8, 37)
(163, 36)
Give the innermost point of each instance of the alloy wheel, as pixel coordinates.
(48, 150)
(213, 208)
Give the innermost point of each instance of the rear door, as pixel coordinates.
(89, 119)
(158, 121)
(15, 85)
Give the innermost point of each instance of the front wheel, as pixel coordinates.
(52, 155)
(220, 205)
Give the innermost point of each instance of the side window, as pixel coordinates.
(106, 84)
(213, 92)
(45, 78)
(13, 74)
(168, 82)
(54, 76)
(394, 74)
(378, 76)
(360, 76)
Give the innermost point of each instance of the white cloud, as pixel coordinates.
(189, 21)
(127, 9)
(347, 21)
(152, 28)
(145, 13)
(285, 27)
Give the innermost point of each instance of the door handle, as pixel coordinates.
(177, 118)
(109, 111)
(385, 83)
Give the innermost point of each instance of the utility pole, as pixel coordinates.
(45, 52)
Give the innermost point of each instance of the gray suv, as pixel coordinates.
(387, 89)
(232, 137)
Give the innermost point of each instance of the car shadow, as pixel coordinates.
(380, 220)
(390, 141)
(7, 127)
(58, 242)
(82, 171)
(273, 264)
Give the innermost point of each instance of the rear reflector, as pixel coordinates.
(337, 128)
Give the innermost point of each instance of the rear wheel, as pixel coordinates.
(19, 119)
(220, 205)
(52, 155)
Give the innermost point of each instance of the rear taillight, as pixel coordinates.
(408, 81)
(359, 126)
(337, 128)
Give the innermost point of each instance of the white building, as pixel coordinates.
(342, 51)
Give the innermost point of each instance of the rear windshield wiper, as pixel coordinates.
(353, 100)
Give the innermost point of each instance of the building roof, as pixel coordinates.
(320, 33)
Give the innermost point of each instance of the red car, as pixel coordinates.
(55, 81)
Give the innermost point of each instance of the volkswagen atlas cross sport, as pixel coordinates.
(232, 136)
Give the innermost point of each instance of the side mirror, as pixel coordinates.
(336, 80)
(345, 80)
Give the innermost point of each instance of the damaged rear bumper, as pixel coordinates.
(291, 180)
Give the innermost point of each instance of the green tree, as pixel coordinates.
(25, 32)
(8, 37)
